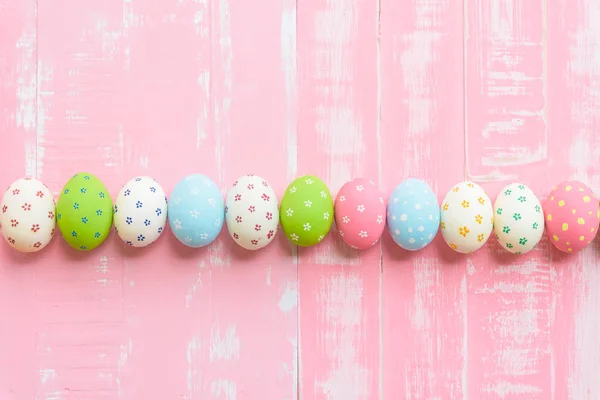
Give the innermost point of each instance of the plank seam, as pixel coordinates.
(379, 176)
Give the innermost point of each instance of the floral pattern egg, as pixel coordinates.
(140, 212)
(252, 212)
(518, 219)
(413, 214)
(27, 215)
(360, 213)
(467, 217)
(307, 211)
(196, 211)
(84, 212)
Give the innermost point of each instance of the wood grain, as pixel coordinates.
(424, 293)
(18, 143)
(510, 298)
(337, 141)
(441, 90)
(574, 122)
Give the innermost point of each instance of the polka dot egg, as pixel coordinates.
(466, 217)
(27, 215)
(306, 211)
(518, 219)
(196, 211)
(360, 213)
(572, 216)
(413, 214)
(84, 212)
(252, 212)
(140, 212)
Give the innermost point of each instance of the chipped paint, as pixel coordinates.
(495, 91)
(341, 297)
(224, 346)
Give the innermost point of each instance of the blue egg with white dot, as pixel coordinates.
(196, 211)
(413, 214)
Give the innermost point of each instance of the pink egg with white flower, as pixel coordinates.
(360, 213)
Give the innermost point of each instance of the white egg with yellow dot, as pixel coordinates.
(467, 217)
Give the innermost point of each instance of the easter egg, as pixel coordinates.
(572, 216)
(306, 211)
(252, 212)
(196, 211)
(518, 218)
(28, 215)
(360, 213)
(140, 212)
(413, 214)
(466, 217)
(84, 212)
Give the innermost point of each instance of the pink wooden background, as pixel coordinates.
(444, 90)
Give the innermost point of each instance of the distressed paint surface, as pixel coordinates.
(488, 90)
(338, 140)
(424, 293)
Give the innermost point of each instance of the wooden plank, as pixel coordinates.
(573, 115)
(256, 294)
(81, 342)
(18, 141)
(166, 89)
(520, 314)
(338, 141)
(424, 293)
(505, 106)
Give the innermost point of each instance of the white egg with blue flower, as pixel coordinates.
(196, 211)
(140, 211)
(413, 214)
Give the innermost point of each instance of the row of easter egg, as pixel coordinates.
(196, 212)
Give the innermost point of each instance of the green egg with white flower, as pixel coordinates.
(306, 211)
(84, 212)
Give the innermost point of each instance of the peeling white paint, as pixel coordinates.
(505, 389)
(45, 94)
(423, 322)
(341, 297)
(203, 117)
(218, 256)
(224, 387)
(202, 26)
(339, 128)
(224, 346)
(288, 65)
(465, 337)
(583, 70)
(417, 64)
(102, 267)
(586, 352)
(26, 93)
(189, 296)
(504, 75)
(130, 20)
(110, 38)
(222, 61)
(124, 354)
(289, 298)
(194, 374)
(513, 156)
(26, 79)
(47, 374)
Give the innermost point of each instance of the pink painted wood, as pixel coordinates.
(440, 90)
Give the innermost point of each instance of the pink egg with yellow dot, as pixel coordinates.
(572, 215)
